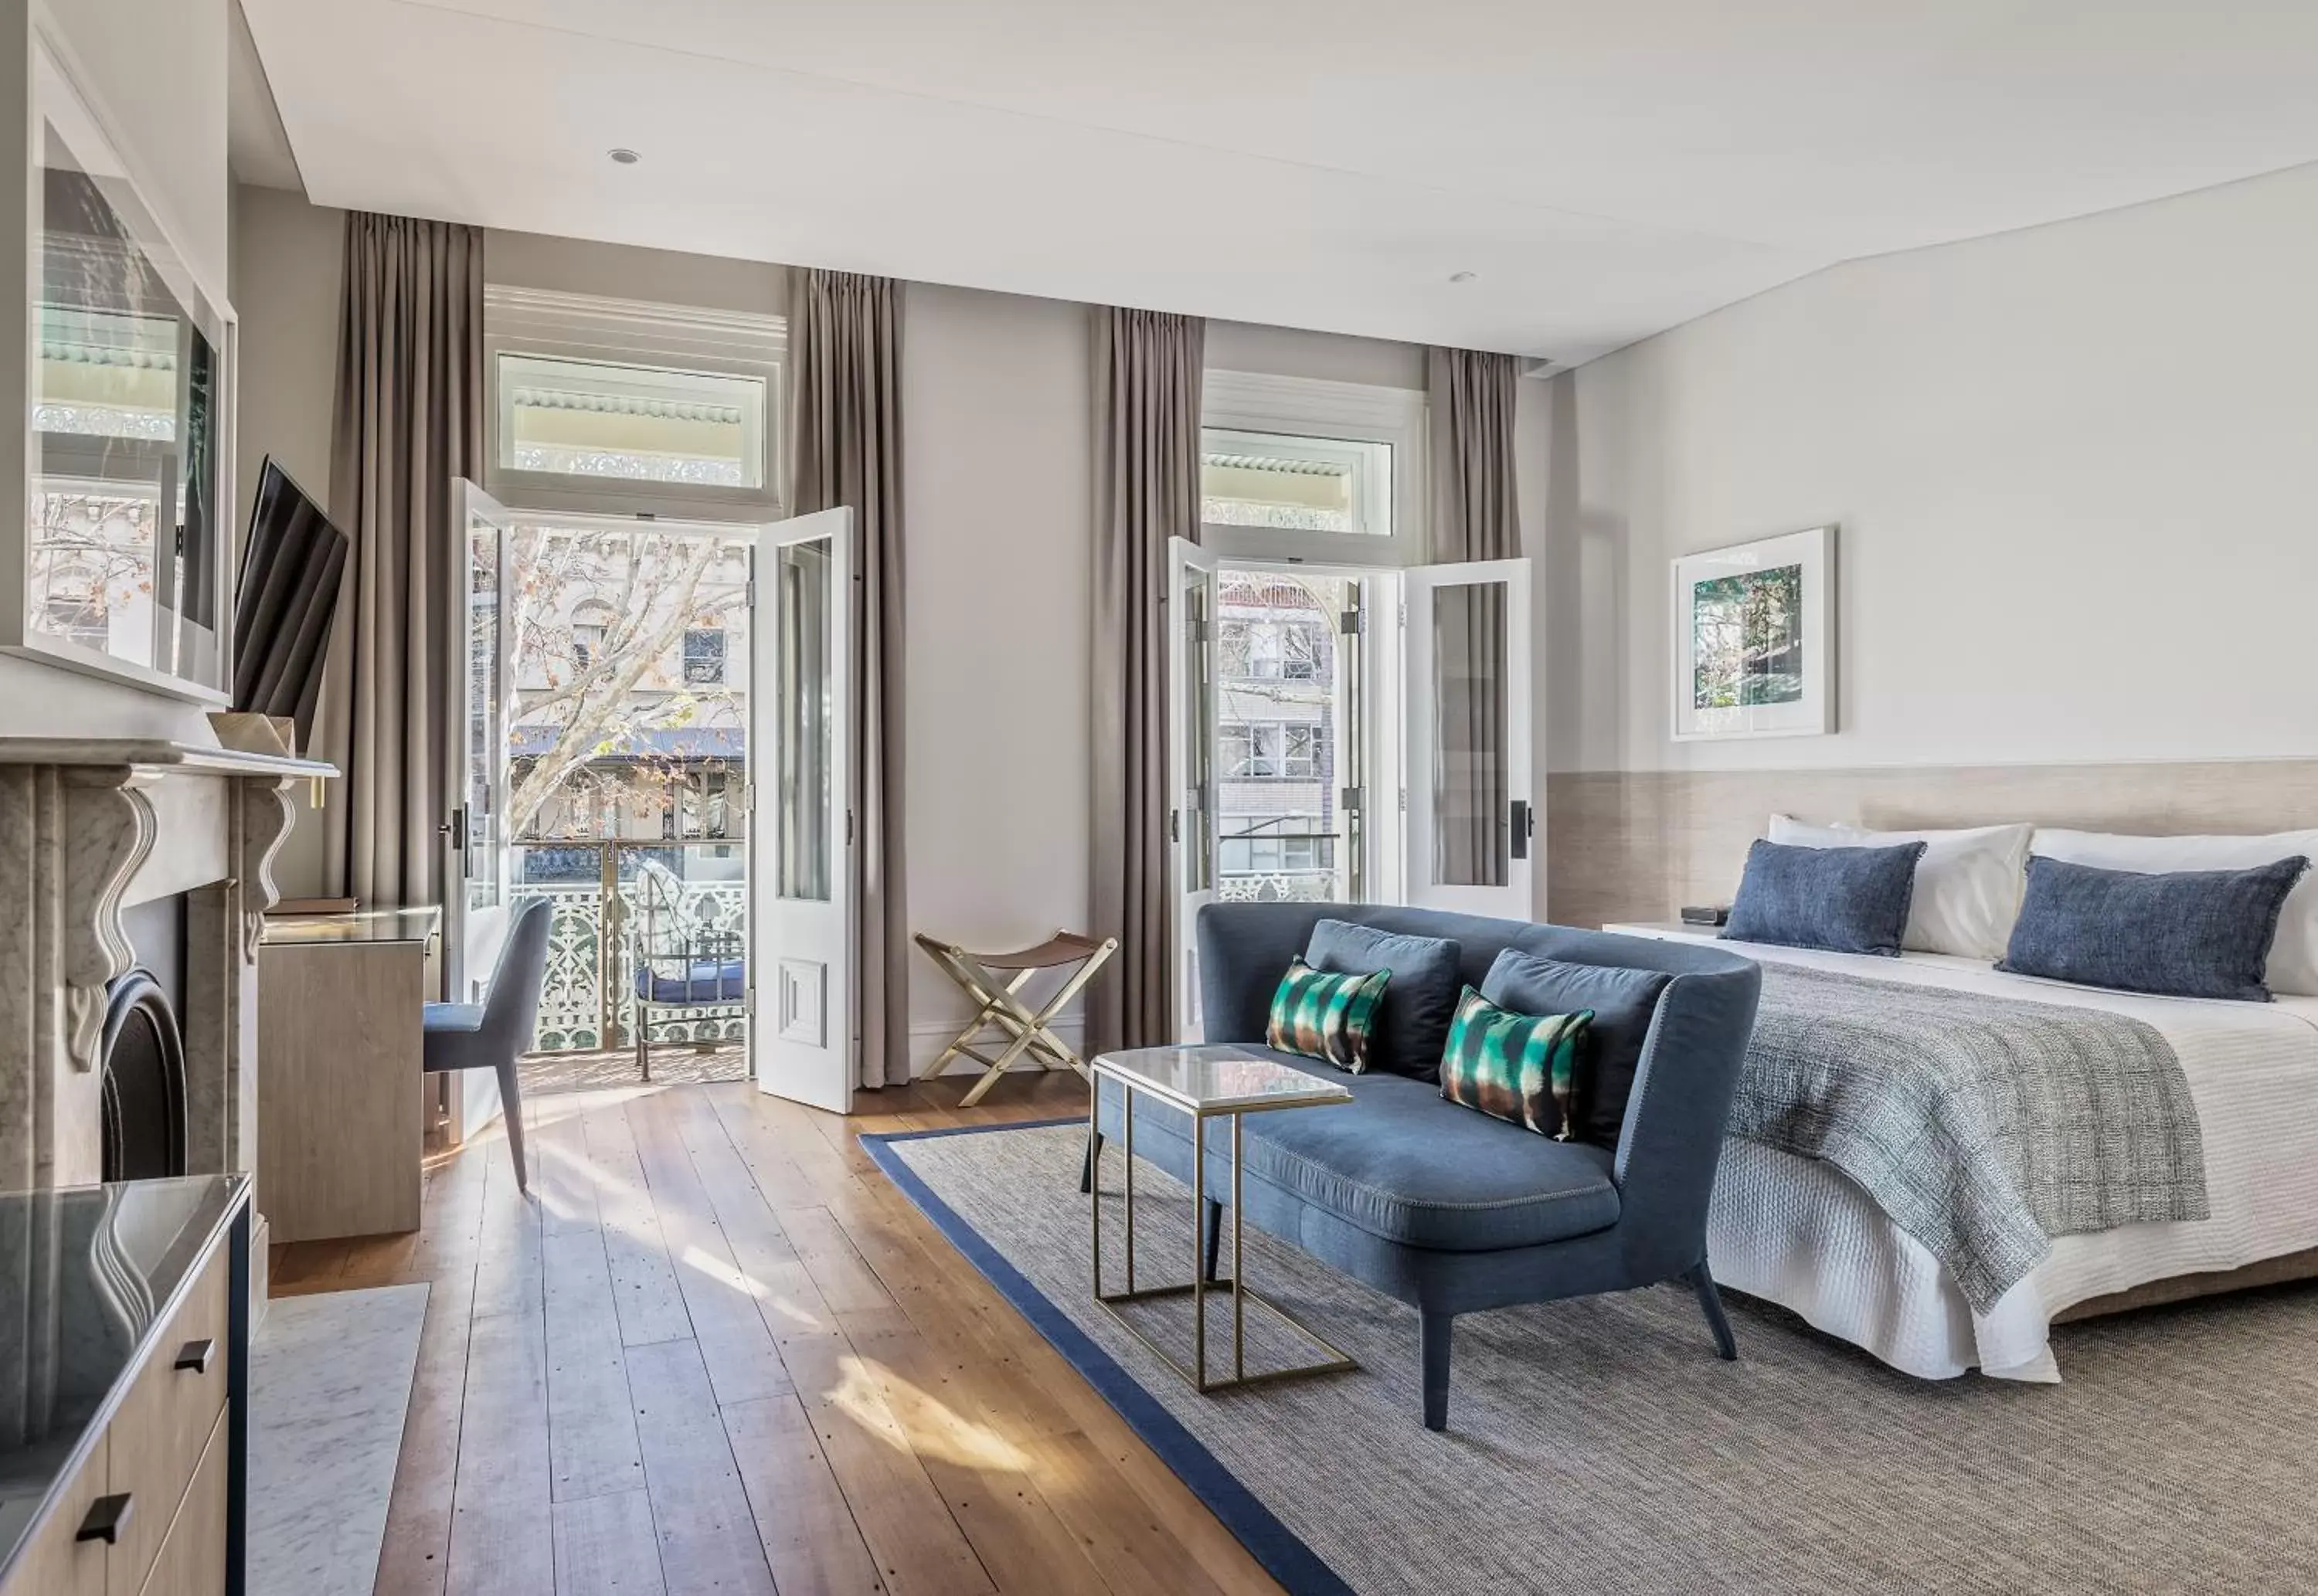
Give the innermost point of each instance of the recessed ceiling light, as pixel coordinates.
(625, 157)
(1462, 276)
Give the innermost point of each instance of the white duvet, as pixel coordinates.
(1800, 1234)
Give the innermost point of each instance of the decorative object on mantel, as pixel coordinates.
(1754, 638)
(246, 733)
(90, 826)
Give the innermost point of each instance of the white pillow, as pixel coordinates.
(2292, 957)
(1968, 883)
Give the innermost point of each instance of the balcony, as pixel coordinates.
(598, 888)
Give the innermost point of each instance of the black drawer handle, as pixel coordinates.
(108, 1516)
(196, 1356)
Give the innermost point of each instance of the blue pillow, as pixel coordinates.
(1621, 1002)
(1845, 899)
(1420, 1001)
(2178, 934)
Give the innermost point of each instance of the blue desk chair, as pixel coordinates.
(495, 1033)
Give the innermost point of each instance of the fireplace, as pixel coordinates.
(144, 1090)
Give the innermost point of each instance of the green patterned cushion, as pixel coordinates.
(1326, 1017)
(1521, 1067)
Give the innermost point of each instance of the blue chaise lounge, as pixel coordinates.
(1444, 1208)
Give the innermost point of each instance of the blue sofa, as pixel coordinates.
(1446, 1208)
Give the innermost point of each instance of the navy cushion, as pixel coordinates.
(1845, 899)
(2179, 934)
(705, 981)
(1401, 1165)
(1622, 1002)
(1419, 1001)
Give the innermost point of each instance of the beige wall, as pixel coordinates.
(997, 395)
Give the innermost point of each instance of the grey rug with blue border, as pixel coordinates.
(1599, 1447)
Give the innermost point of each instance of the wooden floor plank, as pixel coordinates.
(607, 1545)
(650, 1303)
(502, 1523)
(809, 1535)
(718, 1296)
(708, 1539)
(716, 1349)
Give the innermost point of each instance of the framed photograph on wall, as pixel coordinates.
(1754, 638)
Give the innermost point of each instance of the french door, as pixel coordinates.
(1469, 815)
(1192, 829)
(801, 820)
(475, 868)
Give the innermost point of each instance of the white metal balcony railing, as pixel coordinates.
(589, 999)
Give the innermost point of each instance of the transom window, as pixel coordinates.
(1297, 484)
(592, 418)
(611, 407)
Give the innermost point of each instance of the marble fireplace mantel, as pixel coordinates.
(90, 826)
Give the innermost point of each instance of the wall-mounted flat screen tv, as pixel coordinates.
(290, 569)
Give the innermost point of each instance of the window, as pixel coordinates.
(1271, 749)
(704, 657)
(1301, 484)
(1297, 469)
(591, 418)
(615, 406)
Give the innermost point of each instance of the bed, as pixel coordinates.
(1796, 1232)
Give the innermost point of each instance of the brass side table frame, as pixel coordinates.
(1200, 1112)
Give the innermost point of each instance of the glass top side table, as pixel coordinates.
(1211, 1081)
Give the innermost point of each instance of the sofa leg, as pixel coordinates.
(1433, 1338)
(1726, 1346)
(1211, 1236)
(1086, 1175)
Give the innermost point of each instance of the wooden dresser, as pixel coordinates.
(125, 1414)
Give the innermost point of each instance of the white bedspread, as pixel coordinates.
(1797, 1232)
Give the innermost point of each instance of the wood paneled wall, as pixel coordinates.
(1637, 844)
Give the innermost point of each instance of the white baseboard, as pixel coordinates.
(928, 1037)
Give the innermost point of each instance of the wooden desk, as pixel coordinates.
(341, 1120)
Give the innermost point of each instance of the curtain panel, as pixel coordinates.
(1475, 515)
(408, 421)
(845, 408)
(1147, 375)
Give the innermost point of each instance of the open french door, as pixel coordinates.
(1469, 813)
(1191, 765)
(475, 871)
(801, 827)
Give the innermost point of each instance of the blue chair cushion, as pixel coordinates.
(705, 981)
(452, 1017)
(1403, 1165)
(1419, 1001)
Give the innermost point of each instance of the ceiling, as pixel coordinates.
(1603, 170)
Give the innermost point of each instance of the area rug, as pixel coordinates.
(329, 1382)
(1599, 1446)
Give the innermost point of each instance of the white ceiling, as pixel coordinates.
(1606, 169)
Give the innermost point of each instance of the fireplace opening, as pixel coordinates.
(144, 1056)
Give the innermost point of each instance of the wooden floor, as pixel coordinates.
(715, 1350)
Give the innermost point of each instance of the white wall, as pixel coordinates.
(2073, 468)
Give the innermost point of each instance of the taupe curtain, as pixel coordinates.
(1474, 516)
(845, 406)
(409, 420)
(1147, 370)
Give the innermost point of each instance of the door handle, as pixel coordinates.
(455, 827)
(1524, 826)
(195, 1357)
